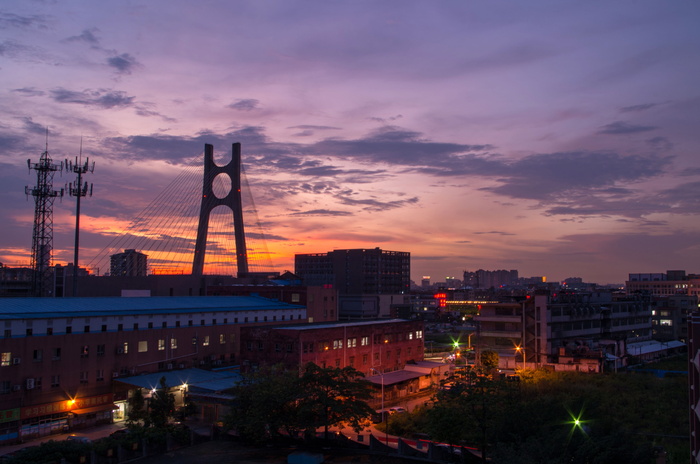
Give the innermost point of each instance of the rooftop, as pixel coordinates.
(39, 308)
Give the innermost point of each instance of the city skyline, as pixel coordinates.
(555, 139)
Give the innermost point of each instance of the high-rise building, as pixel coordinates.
(359, 271)
(489, 279)
(369, 281)
(131, 263)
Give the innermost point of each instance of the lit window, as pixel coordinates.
(206, 340)
(143, 346)
(6, 359)
(173, 343)
(161, 344)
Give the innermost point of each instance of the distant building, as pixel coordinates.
(489, 279)
(369, 281)
(425, 282)
(669, 316)
(669, 283)
(694, 384)
(130, 263)
(15, 280)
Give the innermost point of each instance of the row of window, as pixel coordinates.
(120, 327)
(6, 358)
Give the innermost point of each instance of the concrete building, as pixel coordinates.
(369, 281)
(664, 284)
(568, 331)
(489, 279)
(61, 358)
(694, 384)
(130, 263)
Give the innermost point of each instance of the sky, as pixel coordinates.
(558, 138)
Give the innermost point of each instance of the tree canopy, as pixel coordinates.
(275, 400)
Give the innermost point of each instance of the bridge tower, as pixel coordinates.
(232, 200)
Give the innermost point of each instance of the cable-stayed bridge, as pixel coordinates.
(203, 222)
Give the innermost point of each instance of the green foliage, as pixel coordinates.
(265, 404)
(622, 416)
(52, 452)
(489, 359)
(161, 407)
(275, 400)
(334, 396)
(136, 411)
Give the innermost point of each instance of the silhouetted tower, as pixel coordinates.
(42, 237)
(78, 190)
(210, 201)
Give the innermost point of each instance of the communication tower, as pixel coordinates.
(78, 189)
(42, 236)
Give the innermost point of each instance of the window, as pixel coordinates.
(213, 322)
(260, 346)
(410, 335)
(83, 377)
(352, 361)
(190, 323)
(125, 347)
(364, 359)
(104, 327)
(49, 331)
(173, 343)
(364, 341)
(352, 342)
(86, 329)
(38, 355)
(202, 322)
(69, 329)
(295, 298)
(249, 345)
(56, 380)
(6, 359)
(222, 339)
(161, 344)
(100, 375)
(177, 323)
(56, 354)
(337, 344)
(206, 340)
(164, 325)
(419, 334)
(29, 332)
(278, 347)
(232, 338)
(136, 326)
(120, 327)
(84, 351)
(100, 350)
(150, 325)
(5, 386)
(143, 346)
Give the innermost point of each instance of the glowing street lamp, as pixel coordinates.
(520, 349)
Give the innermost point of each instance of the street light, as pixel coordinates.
(386, 424)
(521, 349)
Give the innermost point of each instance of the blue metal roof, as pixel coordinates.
(39, 308)
(197, 380)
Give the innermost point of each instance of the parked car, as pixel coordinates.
(397, 410)
(79, 439)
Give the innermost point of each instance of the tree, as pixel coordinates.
(334, 396)
(489, 359)
(266, 402)
(136, 411)
(161, 407)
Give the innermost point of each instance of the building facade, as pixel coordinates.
(368, 281)
(368, 346)
(60, 356)
(581, 330)
(130, 263)
(664, 284)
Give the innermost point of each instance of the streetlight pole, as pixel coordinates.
(386, 424)
(521, 349)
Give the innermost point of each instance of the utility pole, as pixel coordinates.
(78, 190)
(42, 236)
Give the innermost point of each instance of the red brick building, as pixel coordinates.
(368, 346)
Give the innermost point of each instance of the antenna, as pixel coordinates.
(42, 236)
(78, 190)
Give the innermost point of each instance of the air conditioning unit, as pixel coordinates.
(16, 360)
(115, 374)
(170, 365)
(30, 384)
(16, 387)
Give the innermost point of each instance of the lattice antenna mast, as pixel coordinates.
(42, 237)
(78, 189)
